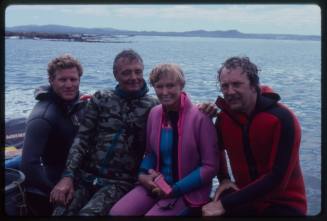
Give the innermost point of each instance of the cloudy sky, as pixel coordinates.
(247, 18)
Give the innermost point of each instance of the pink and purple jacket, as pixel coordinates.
(197, 151)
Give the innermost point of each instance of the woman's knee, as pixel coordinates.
(134, 203)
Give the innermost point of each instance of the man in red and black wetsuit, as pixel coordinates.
(261, 138)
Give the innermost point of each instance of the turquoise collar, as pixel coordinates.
(118, 91)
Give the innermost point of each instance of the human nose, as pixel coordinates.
(133, 75)
(164, 91)
(69, 83)
(229, 89)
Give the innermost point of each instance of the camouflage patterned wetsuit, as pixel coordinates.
(106, 153)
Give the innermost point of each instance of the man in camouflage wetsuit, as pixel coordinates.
(103, 161)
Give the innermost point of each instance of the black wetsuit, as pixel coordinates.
(50, 130)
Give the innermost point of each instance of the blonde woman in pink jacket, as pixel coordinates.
(175, 176)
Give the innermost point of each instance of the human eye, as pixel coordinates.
(237, 84)
(158, 86)
(73, 79)
(62, 79)
(138, 71)
(126, 72)
(170, 85)
(223, 87)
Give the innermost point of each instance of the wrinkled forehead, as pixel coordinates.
(70, 71)
(124, 64)
(128, 61)
(233, 74)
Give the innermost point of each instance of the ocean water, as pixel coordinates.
(291, 68)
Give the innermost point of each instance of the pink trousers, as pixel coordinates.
(138, 202)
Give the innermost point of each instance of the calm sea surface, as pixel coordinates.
(291, 68)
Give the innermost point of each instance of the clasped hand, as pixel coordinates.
(215, 207)
(63, 191)
(147, 180)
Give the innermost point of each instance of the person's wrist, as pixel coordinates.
(142, 171)
(68, 174)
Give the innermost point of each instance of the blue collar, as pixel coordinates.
(119, 92)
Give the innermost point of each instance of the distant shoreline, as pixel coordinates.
(60, 32)
(63, 37)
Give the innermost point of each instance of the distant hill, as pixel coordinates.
(196, 33)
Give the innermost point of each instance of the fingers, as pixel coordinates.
(223, 188)
(153, 173)
(157, 191)
(151, 184)
(147, 181)
(218, 193)
(213, 209)
(69, 197)
(202, 107)
(208, 209)
(57, 196)
(234, 187)
(209, 109)
(53, 195)
(61, 195)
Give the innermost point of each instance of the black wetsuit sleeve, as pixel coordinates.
(36, 137)
(222, 173)
(280, 172)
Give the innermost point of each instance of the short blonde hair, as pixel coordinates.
(64, 61)
(162, 70)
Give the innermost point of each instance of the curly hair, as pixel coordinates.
(247, 66)
(64, 61)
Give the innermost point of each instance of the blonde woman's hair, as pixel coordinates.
(164, 70)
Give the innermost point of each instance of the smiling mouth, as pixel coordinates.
(233, 101)
(69, 92)
(134, 84)
(165, 100)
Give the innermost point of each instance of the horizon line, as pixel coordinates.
(316, 35)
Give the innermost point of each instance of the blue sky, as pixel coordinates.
(247, 18)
